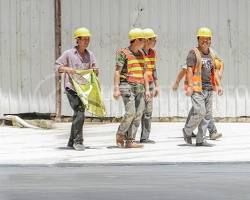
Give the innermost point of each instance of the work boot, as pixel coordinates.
(120, 140)
(78, 147)
(188, 139)
(214, 136)
(132, 144)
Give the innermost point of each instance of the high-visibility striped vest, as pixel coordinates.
(196, 79)
(150, 60)
(135, 66)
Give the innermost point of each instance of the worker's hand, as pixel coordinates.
(70, 70)
(96, 70)
(189, 91)
(219, 90)
(147, 95)
(156, 91)
(175, 86)
(116, 93)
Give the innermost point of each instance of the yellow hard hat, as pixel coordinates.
(204, 32)
(149, 33)
(82, 32)
(135, 33)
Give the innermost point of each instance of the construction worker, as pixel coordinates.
(201, 79)
(213, 133)
(150, 58)
(130, 82)
(78, 57)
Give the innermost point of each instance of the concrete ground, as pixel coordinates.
(25, 146)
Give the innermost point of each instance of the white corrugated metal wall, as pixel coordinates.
(175, 21)
(26, 56)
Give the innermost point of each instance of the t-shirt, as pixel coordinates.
(206, 68)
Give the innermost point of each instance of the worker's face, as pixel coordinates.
(151, 42)
(140, 42)
(83, 42)
(204, 42)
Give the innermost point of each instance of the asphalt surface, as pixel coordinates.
(141, 182)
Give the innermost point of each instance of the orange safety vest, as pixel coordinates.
(135, 67)
(196, 79)
(150, 60)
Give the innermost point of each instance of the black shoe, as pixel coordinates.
(204, 144)
(147, 141)
(193, 135)
(70, 144)
(188, 139)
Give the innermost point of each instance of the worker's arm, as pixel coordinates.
(221, 70)
(189, 75)
(179, 77)
(117, 92)
(66, 69)
(156, 82)
(146, 82)
(218, 83)
(61, 64)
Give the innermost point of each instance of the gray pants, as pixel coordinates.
(76, 135)
(211, 125)
(133, 99)
(201, 114)
(147, 117)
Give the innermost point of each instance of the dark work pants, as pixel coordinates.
(76, 135)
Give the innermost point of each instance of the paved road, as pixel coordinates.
(141, 182)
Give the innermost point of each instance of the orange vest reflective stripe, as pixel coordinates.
(196, 79)
(150, 60)
(135, 67)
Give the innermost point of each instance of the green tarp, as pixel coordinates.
(88, 89)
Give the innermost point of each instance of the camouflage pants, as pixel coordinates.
(133, 99)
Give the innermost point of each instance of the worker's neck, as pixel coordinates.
(204, 50)
(146, 48)
(134, 48)
(81, 50)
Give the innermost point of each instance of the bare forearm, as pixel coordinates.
(117, 79)
(180, 76)
(189, 75)
(157, 84)
(217, 78)
(146, 84)
(63, 69)
(221, 71)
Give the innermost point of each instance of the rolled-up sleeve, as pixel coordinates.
(62, 60)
